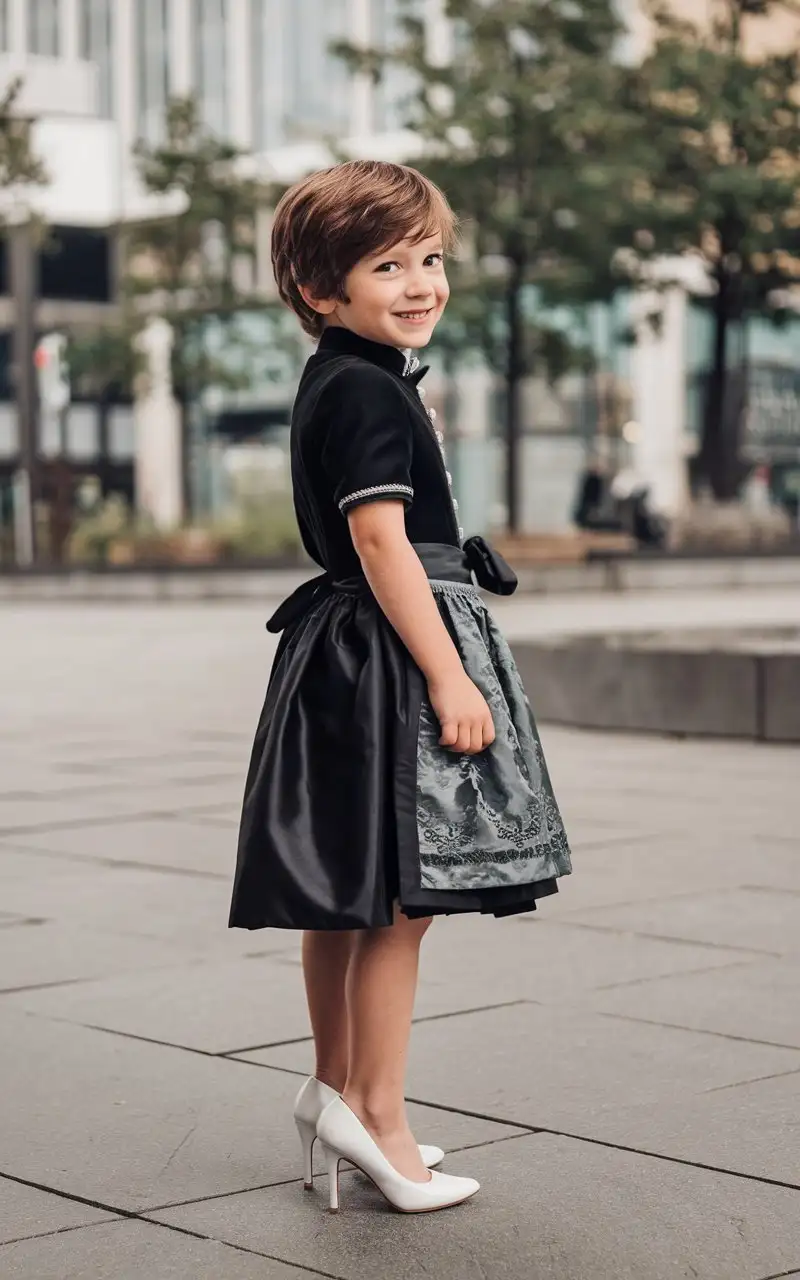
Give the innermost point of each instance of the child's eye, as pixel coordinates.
(434, 260)
(386, 267)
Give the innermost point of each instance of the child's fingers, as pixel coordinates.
(489, 734)
(449, 733)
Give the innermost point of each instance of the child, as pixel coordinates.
(396, 773)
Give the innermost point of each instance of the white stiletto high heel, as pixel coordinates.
(309, 1105)
(344, 1137)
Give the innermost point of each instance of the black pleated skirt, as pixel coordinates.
(350, 804)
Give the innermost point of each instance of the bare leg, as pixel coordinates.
(326, 957)
(381, 985)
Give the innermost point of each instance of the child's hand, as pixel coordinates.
(462, 712)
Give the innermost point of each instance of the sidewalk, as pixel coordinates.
(621, 1070)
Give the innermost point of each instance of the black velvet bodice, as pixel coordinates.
(361, 433)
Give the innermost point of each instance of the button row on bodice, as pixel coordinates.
(440, 441)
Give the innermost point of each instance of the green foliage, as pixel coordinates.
(19, 164)
(95, 532)
(261, 531)
(190, 257)
(527, 130)
(725, 134)
(723, 183)
(195, 262)
(104, 362)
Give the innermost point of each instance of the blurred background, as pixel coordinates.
(618, 369)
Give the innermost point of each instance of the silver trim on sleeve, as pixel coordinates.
(401, 490)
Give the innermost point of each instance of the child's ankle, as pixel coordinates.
(333, 1078)
(381, 1115)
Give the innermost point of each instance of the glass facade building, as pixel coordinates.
(44, 27)
(267, 38)
(96, 44)
(210, 22)
(152, 32)
(316, 90)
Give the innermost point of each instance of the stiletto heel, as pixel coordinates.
(309, 1105)
(343, 1137)
(332, 1166)
(308, 1136)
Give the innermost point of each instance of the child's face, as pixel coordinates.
(396, 297)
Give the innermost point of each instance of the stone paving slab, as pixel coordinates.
(565, 1068)
(549, 1209)
(215, 1008)
(544, 958)
(186, 845)
(27, 1211)
(756, 1001)
(136, 1251)
(125, 800)
(676, 867)
(474, 963)
(62, 953)
(184, 909)
(750, 1128)
(134, 1125)
(657, 825)
(763, 919)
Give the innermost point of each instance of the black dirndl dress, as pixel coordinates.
(351, 805)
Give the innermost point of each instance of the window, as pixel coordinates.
(152, 66)
(317, 97)
(267, 43)
(210, 62)
(96, 45)
(75, 264)
(395, 91)
(44, 35)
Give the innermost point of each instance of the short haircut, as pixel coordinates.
(334, 218)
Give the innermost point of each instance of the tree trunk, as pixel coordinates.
(515, 368)
(719, 462)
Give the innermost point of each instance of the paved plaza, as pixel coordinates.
(621, 1070)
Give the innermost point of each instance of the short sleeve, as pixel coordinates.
(369, 442)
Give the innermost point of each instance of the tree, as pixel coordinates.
(723, 183)
(195, 263)
(20, 167)
(525, 130)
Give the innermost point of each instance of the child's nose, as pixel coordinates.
(419, 287)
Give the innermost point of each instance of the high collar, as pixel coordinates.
(344, 341)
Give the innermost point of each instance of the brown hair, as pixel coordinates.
(333, 219)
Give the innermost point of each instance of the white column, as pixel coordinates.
(360, 33)
(18, 27)
(69, 29)
(658, 375)
(158, 474)
(240, 74)
(181, 49)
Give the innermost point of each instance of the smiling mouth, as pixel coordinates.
(413, 315)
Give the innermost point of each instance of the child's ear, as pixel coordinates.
(323, 306)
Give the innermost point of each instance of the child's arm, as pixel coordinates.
(401, 588)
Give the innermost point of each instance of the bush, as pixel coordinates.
(731, 527)
(93, 535)
(256, 530)
(261, 531)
